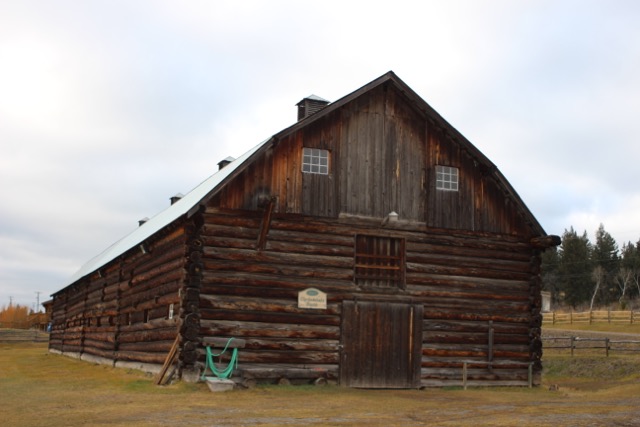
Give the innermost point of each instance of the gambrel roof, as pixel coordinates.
(201, 194)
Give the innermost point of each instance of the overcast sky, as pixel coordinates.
(109, 108)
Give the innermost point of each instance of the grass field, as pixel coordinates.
(42, 389)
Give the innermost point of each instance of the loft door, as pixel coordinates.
(381, 344)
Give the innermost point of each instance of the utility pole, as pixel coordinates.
(37, 310)
(10, 301)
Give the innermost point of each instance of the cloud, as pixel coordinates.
(107, 109)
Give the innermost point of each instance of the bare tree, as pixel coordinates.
(598, 276)
(630, 263)
(624, 278)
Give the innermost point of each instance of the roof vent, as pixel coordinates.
(176, 198)
(142, 221)
(225, 162)
(310, 105)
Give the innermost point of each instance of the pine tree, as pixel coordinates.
(605, 256)
(549, 273)
(630, 269)
(575, 268)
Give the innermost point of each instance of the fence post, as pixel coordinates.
(571, 316)
(490, 346)
(553, 317)
(464, 375)
(573, 341)
(530, 375)
(606, 344)
(609, 315)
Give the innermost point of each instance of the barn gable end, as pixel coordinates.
(383, 152)
(374, 200)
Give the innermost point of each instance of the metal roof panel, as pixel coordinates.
(162, 219)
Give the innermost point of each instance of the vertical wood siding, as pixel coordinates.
(383, 158)
(381, 344)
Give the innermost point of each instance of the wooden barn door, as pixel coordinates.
(381, 345)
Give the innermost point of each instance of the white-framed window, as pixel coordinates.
(315, 160)
(446, 178)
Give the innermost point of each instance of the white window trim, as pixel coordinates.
(315, 161)
(447, 178)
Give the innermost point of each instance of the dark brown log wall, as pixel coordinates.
(473, 286)
(251, 294)
(121, 312)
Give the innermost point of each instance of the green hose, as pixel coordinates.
(226, 373)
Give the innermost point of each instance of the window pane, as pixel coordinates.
(315, 160)
(446, 178)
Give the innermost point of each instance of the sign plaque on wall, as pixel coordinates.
(312, 298)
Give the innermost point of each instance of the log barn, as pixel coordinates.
(370, 244)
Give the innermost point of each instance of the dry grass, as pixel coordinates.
(626, 328)
(41, 389)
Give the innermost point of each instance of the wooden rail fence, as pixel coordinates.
(589, 317)
(574, 343)
(23, 335)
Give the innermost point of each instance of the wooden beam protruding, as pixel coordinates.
(265, 224)
(545, 242)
